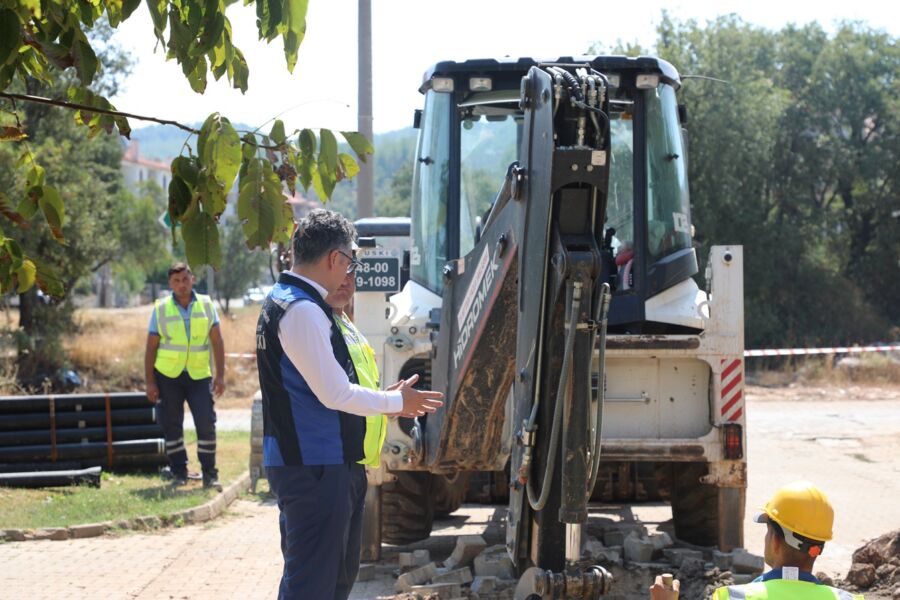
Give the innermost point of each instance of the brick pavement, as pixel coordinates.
(234, 557)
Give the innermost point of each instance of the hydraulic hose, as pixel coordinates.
(573, 302)
(603, 310)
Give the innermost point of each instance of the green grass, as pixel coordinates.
(121, 495)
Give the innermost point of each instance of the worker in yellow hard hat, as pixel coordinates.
(799, 519)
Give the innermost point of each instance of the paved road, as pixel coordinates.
(849, 447)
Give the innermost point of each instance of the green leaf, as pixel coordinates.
(25, 276)
(10, 36)
(323, 185)
(27, 206)
(201, 240)
(239, 71)
(6, 75)
(186, 168)
(347, 167)
(213, 26)
(307, 142)
(261, 205)
(48, 280)
(294, 27)
(219, 148)
(158, 15)
(268, 18)
(180, 196)
(14, 251)
(277, 133)
(361, 146)
(85, 61)
(196, 74)
(54, 211)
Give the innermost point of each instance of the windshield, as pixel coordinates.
(429, 194)
(668, 207)
(620, 201)
(488, 143)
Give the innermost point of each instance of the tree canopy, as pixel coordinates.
(48, 45)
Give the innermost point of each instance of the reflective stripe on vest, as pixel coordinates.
(177, 353)
(363, 357)
(783, 589)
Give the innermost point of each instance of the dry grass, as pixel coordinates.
(869, 369)
(108, 351)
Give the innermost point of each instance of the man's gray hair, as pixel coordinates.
(320, 232)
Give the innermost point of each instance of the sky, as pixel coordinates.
(409, 36)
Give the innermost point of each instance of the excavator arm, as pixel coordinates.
(522, 312)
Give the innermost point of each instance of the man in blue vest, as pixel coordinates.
(183, 326)
(314, 410)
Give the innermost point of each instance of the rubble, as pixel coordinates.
(746, 562)
(467, 548)
(638, 549)
(417, 576)
(876, 565)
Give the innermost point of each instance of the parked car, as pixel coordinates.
(256, 295)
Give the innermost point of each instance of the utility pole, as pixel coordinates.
(365, 180)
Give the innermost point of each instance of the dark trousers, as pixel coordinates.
(321, 528)
(170, 414)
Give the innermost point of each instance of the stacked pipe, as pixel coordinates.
(78, 431)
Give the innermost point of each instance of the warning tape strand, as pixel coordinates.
(837, 350)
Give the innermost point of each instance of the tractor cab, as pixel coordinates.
(470, 133)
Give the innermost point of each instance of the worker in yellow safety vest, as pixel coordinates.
(799, 519)
(183, 328)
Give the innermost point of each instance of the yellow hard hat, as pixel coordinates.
(801, 508)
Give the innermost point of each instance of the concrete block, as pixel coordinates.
(417, 576)
(746, 562)
(498, 565)
(484, 585)
(638, 549)
(366, 572)
(661, 540)
(85, 531)
(442, 590)
(51, 533)
(742, 578)
(677, 555)
(722, 560)
(421, 557)
(14, 535)
(614, 538)
(405, 559)
(467, 548)
(458, 576)
(593, 548)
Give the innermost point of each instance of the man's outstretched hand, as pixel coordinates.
(416, 402)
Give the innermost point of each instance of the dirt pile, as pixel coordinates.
(876, 566)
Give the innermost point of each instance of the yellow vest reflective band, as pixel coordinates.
(363, 357)
(176, 352)
(783, 589)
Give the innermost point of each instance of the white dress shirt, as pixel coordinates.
(305, 335)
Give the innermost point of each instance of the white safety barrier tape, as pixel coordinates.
(802, 351)
(239, 355)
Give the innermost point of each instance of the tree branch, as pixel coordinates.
(94, 109)
(115, 113)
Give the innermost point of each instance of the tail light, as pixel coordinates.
(734, 443)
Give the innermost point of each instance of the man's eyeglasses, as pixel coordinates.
(354, 263)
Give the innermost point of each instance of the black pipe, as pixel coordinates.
(39, 479)
(72, 402)
(94, 418)
(79, 435)
(62, 465)
(91, 450)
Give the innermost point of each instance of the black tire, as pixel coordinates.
(695, 505)
(407, 507)
(449, 493)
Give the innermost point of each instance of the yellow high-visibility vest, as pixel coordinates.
(177, 353)
(363, 357)
(783, 589)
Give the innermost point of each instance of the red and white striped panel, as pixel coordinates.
(732, 386)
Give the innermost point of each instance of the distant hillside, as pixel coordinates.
(394, 152)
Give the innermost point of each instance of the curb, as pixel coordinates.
(199, 514)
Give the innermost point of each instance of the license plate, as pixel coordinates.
(381, 274)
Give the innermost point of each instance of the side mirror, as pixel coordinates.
(682, 114)
(417, 118)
